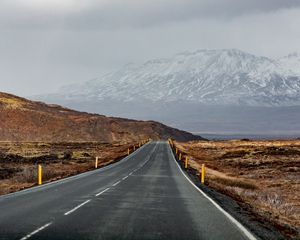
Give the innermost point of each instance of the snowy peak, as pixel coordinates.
(291, 63)
(226, 60)
(217, 77)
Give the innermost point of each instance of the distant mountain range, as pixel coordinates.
(217, 77)
(193, 80)
(24, 120)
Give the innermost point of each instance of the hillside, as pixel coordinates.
(24, 120)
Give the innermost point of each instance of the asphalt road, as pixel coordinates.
(144, 196)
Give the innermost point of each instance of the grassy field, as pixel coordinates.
(18, 161)
(262, 175)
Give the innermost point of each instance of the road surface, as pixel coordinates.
(144, 196)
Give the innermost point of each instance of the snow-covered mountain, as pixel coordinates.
(210, 77)
(203, 91)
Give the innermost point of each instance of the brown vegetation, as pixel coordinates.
(18, 161)
(24, 120)
(263, 175)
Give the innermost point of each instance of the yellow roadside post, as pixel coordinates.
(40, 174)
(96, 162)
(176, 151)
(139, 144)
(180, 156)
(203, 173)
(186, 163)
(128, 151)
(134, 148)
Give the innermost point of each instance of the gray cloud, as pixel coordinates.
(130, 13)
(46, 44)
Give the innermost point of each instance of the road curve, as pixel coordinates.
(144, 196)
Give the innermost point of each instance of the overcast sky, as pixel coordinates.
(45, 44)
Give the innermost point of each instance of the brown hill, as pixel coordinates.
(24, 120)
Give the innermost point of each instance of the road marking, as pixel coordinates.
(102, 192)
(248, 234)
(36, 231)
(130, 174)
(124, 177)
(74, 209)
(116, 183)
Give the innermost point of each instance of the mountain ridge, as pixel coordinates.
(211, 77)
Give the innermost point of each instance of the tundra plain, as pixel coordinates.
(19, 161)
(262, 176)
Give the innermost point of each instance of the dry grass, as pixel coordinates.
(263, 174)
(18, 161)
(11, 103)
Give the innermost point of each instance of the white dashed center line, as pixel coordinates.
(36, 231)
(74, 209)
(116, 183)
(80, 205)
(102, 192)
